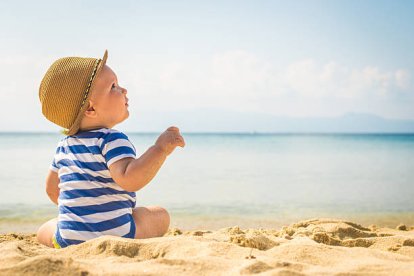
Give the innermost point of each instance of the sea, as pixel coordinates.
(238, 179)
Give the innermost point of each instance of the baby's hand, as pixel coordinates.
(169, 139)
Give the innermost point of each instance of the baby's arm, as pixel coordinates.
(52, 186)
(133, 174)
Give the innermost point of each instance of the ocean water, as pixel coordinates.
(260, 180)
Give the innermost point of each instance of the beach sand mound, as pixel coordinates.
(311, 247)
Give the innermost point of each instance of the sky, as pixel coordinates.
(285, 58)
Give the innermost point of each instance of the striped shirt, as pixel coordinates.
(90, 203)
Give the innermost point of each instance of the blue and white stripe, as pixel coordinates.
(90, 203)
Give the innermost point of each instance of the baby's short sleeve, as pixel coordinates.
(116, 146)
(53, 166)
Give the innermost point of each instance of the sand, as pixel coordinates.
(311, 247)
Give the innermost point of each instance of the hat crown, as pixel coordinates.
(62, 89)
(65, 88)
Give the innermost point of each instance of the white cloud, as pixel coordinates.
(239, 72)
(311, 79)
(403, 79)
(240, 80)
(232, 79)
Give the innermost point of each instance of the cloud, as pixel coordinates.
(239, 79)
(403, 80)
(224, 80)
(309, 78)
(239, 72)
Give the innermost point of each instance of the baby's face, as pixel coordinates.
(108, 99)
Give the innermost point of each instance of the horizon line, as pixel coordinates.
(239, 132)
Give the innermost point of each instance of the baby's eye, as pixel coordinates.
(117, 88)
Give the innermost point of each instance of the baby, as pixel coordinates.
(95, 173)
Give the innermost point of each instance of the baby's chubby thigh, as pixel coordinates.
(150, 221)
(46, 232)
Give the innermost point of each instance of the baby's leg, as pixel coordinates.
(46, 232)
(150, 221)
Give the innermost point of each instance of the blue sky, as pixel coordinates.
(287, 58)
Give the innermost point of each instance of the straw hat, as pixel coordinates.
(65, 90)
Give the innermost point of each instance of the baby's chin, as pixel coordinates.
(126, 115)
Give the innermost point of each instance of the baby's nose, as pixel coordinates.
(124, 90)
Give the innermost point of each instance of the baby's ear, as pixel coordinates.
(90, 111)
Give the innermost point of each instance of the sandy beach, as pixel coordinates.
(312, 247)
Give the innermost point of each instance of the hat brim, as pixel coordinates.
(76, 124)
